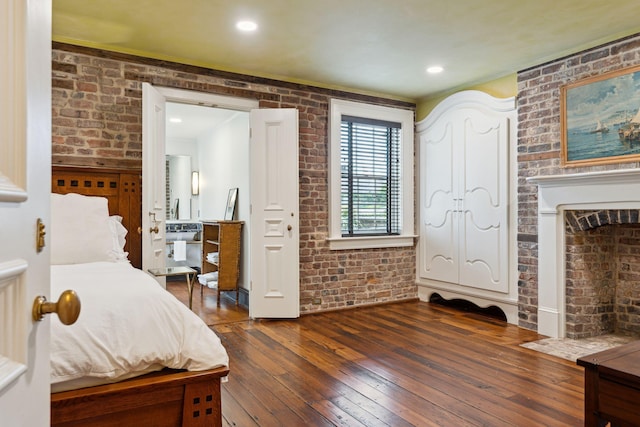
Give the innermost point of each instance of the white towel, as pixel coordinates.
(209, 279)
(180, 250)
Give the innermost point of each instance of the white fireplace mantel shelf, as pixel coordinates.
(617, 189)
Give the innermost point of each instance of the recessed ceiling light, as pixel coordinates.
(175, 120)
(435, 69)
(246, 26)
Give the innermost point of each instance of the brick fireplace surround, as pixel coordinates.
(566, 295)
(541, 252)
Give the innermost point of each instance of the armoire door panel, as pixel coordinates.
(438, 164)
(478, 205)
(439, 216)
(439, 209)
(440, 250)
(484, 184)
(483, 163)
(482, 257)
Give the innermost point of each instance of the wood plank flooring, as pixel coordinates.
(404, 364)
(206, 306)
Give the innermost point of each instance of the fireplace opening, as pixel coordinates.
(602, 271)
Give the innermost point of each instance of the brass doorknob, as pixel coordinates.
(67, 308)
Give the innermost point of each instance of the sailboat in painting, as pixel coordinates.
(600, 128)
(630, 131)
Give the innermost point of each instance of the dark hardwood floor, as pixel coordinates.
(206, 306)
(404, 364)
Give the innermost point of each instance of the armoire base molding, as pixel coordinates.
(508, 307)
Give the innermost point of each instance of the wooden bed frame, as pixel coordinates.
(165, 398)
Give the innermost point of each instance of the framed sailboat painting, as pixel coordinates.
(600, 119)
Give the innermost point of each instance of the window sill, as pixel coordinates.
(369, 242)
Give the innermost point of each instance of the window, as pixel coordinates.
(371, 183)
(370, 176)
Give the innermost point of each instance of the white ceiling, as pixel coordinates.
(195, 120)
(372, 46)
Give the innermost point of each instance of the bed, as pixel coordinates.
(98, 377)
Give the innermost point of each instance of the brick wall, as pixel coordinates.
(628, 280)
(539, 146)
(602, 272)
(96, 121)
(591, 285)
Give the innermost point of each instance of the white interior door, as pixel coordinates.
(274, 241)
(153, 180)
(25, 185)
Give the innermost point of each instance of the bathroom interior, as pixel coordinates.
(207, 155)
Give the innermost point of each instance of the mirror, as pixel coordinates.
(178, 203)
(230, 210)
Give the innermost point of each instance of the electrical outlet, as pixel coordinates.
(317, 301)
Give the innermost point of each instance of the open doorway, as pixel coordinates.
(207, 154)
(271, 240)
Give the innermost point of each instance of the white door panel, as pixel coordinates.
(153, 180)
(25, 187)
(275, 287)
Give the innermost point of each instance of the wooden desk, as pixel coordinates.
(612, 386)
(189, 273)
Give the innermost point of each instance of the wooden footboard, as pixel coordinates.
(166, 398)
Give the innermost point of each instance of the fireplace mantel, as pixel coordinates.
(617, 189)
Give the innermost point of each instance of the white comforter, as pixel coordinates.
(128, 326)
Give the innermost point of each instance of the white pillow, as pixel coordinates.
(118, 233)
(80, 230)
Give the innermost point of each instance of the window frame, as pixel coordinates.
(338, 108)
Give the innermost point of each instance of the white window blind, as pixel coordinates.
(370, 177)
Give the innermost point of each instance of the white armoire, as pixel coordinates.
(467, 201)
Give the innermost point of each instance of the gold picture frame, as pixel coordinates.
(600, 119)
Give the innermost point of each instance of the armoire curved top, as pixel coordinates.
(466, 99)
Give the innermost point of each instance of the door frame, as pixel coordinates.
(182, 96)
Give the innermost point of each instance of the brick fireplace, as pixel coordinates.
(617, 194)
(602, 272)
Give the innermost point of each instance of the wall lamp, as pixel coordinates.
(195, 183)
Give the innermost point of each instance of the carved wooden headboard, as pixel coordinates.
(123, 190)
